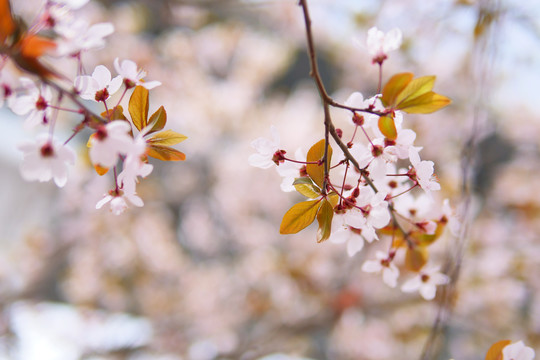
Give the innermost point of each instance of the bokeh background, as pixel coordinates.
(201, 272)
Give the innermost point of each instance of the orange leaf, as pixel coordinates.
(33, 46)
(388, 127)
(415, 88)
(101, 170)
(138, 107)
(165, 153)
(495, 351)
(394, 87)
(299, 217)
(158, 120)
(315, 154)
(7, 24)
(324, 218)
(416, 258)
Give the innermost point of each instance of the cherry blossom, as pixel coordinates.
(133, 166)
(380, 44)
(34, 103)
(375, 207)
(383, 265)
(265, 150)
(290, 170)
(517, 351)
(109, 142)
(343, 233)
(132, 75)
(99, 86)
(426, 282)
(422, 173)
(77, 35)
(45, 159)
(117, 201)
(356, 100)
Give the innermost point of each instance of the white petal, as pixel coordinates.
(372, 266)
(428, 291)
(355, 244)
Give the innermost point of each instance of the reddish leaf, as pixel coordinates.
(165, 153)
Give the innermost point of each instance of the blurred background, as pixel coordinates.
(201, 272)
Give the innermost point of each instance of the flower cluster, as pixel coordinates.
(41, 95)
(380, 187)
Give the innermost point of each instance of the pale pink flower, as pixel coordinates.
(343, 232)
(133, 166)
(375, 207)
(380, 44)
(266, 148)
(109, 142)
(34, 103)
(77, 35)
(426, 282)
(383, 265)
(72, 4)
(98, 87)
(117, 201)
(45, 159)
(424, 173)
(356, 100)
(289, 171)
(132, 75)
(517, 351)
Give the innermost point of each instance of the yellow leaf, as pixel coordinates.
(158, 120)
(116, 113)
(388, 127)
(495, 351)
(415, 88)
(424, 104)
(165, 153)
(324, 218)
(425, 239)
(315, 154)
(167, 137)
(306, 187)
(101, 170)
(333, 198)
(299, 217)
(138, 107)
(416, 258)
(394, 87)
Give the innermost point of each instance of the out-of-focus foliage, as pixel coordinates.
(203, 264)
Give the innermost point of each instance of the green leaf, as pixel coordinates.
(394, 87)
(315, 154)
(158, 120)
(495, 351)
(165, 153)
(424, 104)
(167, 137)
(324, 218)
(306, 187)
(299, 217)
(138, 107)
(415, 88)
(388, 127)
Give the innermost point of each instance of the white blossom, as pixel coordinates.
(380, 44)
(424, 173)
(131, 74)
(45, 159)
(383, 265)
(266, 148)
(426, 282)
(117, 201)
(517, 351)
(109, 142)
(77, 35)
(34, 103)
(99, 86)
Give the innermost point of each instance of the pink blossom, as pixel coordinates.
(380, 44)
(117, 201)
(517, 351)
